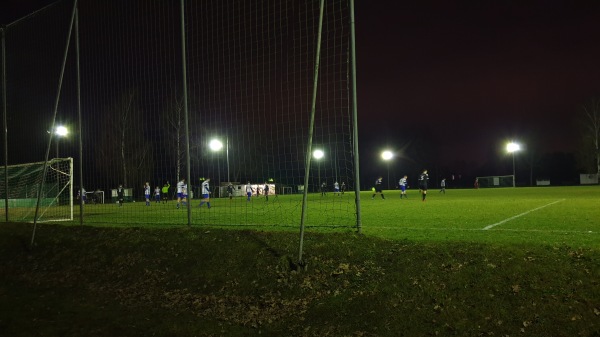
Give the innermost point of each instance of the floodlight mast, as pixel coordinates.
(60, 131)
(216, 145)
(513, 147)
(387, 155)
(318, 154)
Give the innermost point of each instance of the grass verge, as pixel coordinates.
(90, 281)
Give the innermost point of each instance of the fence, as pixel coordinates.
(145, 86)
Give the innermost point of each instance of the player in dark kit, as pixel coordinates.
(230, 191)
(423, 178)
(378, 188)
(120, 195)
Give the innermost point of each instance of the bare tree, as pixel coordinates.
(590, 126)
(122, 148)
(174, 118)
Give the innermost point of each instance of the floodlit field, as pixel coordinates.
(565, 215)
(501, 262)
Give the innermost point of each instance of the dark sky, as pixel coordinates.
(467, 74)
(478, 72)
(12, 10)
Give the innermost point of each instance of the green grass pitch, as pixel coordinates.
(563, 215)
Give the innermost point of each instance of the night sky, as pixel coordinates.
(466, 75)
(472, 74)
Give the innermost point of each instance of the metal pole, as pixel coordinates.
(45, 169)
(227, 154)
(514, 176)
(355, 119)
(388, 178)
(185, 110)
(57, 177)
(79, 118)
(319, 169)
(310, 132)
(4, 112)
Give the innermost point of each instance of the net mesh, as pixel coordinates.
(250, 72)
(56, 201)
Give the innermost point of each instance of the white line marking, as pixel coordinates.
(520, 215)
(442, 229)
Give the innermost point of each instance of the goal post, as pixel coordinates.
(21, 193)
(496, 181)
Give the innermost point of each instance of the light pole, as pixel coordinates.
(227, 155)
(318, 154)
(513, 147)
(387, 155)
(60, 131)
(217, 145)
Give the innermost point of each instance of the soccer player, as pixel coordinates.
(157, 194)
(147, 193)
(323, 189)
(205, 193)
(336, 188)
(165, 192)
(423, 178)
(343, 187)
(378, 188)
(443, 186)
(120, 194)
(181, 192)
(230, 191)
(266, 189)
(402, 184)
(83, 192)
(249, 191)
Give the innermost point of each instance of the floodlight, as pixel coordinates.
(61, 131)
(215, 145)
(387, 155)
(512, 147)
(318, 154)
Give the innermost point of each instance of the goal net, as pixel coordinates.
(24, 180)
(496, 181)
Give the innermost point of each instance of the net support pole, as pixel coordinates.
(310, 133)
(355, 120)
(78, 117)
(4, 122)
(51, 133)
(185, 112)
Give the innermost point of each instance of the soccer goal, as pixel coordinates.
(21, 194)
(496, 181)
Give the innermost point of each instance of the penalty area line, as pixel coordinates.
(520, 215)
